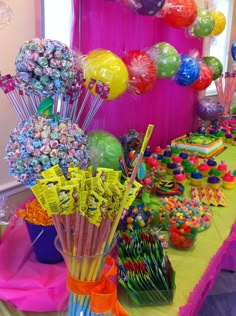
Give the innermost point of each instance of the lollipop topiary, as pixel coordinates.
(40, 142)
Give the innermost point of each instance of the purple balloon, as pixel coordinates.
(208, 108)
(147, 7)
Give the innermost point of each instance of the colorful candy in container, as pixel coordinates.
(187, 211)
(182, 236)
(144, 271)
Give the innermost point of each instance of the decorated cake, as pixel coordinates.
(203, 145)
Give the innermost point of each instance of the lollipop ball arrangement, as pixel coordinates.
(104, 149)
(39, 143)
(45, 67)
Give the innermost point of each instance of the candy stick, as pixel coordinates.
(90, 87)
(129, 186)
(93, 110)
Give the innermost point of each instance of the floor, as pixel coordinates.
(221, 300)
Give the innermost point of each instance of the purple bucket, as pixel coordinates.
(42, 238)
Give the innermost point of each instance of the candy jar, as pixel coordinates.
(182, 236)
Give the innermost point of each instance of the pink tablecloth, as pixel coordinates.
(225, 258)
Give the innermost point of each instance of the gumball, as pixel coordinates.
(233, 50)
(208, 108)
(142, 71)
(166, 59)
(105, 67)
(220, 22)
(180, 13)
(105, 150)
(205, 78)
(215, 65)
(146, 7)
(203, 25)
(188, 71)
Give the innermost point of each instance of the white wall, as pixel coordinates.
(12, 36)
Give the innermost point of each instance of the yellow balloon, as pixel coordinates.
(106, 67)
(220, 22)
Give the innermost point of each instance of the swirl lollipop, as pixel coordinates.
(233, 54)
(45, 67)
(142, 71)
(208, 108)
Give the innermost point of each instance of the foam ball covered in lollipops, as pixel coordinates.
(166, 59)
(40, 142)
(205, 78)
(203, 24)
(142, 71)
(45, 67)
(220, 22)
(105, 150)
(188, 71)
(215, 65)
(105, 67)
(208, 108)
(146, 7)
(180, 13)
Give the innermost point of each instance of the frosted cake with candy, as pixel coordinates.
(203, 145)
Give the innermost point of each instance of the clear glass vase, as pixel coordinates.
(83, 273)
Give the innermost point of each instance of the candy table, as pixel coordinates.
(196, 269)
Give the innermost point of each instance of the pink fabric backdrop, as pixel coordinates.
(114, 26)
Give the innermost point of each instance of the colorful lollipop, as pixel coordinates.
(220, 22)
(146, 7)
(215, 65)
(205, 78)
(203, 25)
(142, 71)
(188, 71)
(166, 59)
(180, 13)
(45, 67)
(107, 68)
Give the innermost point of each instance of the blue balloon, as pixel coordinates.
(233, 50)
(188, 71)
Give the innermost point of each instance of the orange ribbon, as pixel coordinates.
(103, 293)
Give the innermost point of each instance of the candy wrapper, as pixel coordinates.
(144, 270)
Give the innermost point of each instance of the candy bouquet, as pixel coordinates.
(86, 210)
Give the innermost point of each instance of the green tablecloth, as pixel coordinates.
(196, 269)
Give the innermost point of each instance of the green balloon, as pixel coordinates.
(215, 65)
(104, 149)
(204, 23)
(166, 59)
